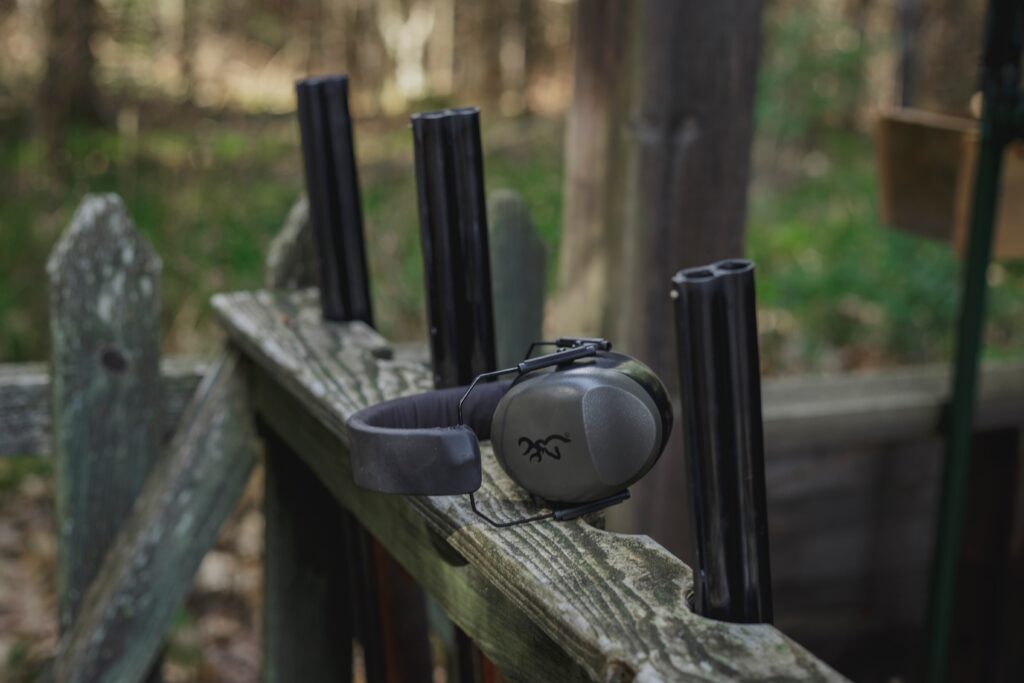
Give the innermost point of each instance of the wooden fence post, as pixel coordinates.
(518, 276)
(519, 260)
(105, 329)
(309, 562)
(518, 279)
(377, 604)
(148, 570)
(307, 606)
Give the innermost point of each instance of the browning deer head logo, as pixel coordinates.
(537, 449)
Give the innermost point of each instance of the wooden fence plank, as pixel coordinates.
(902, 404)
(614, 605)
(512, 640)
(381, 599)
(518, 276)
(307, 605)
(105, 330)
(148, 572)
(291, 259)
(308, 622)
(26, 418)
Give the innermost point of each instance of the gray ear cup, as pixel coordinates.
(578, 434)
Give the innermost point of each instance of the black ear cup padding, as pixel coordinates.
(413, 445)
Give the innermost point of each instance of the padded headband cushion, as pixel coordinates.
(414, 445)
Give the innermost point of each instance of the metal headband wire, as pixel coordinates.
(579, 349)
(560, 514)
(503, 525)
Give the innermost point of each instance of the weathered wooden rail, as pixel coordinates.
(547, 601)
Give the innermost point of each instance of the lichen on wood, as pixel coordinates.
(105, 330)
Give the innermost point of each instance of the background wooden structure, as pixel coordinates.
(926, 167)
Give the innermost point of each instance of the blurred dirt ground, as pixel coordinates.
(28, 553)
(215, 637)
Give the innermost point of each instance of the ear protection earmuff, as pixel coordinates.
(575, 428)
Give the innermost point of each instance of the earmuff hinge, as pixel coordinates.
(531, 364)
(569, 342)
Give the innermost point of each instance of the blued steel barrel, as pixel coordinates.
(332, 185)
(453, 233)
(720, 389)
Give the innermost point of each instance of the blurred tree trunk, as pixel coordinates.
(68, 93)
(369, 57)
(488, 49)
(441, 50)
(352, 12)
(478, 52)
(187, 48)
(941, 62)
(590, 252)
(533, 47)
(513, 56)
(404, 32)
(314, 58)
(857, 14)
(910, 27)
(662, 186)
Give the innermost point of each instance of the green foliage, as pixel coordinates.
(812, 71)
(836, 288)
(852, 292)
(182, 645)
(20, 666)
(534, 170)
(209, 195)
(206, 197)
(13, 471)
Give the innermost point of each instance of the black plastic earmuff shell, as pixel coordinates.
(583, 431)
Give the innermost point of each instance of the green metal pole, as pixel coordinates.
(997, 124)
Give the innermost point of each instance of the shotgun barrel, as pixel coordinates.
(332, 184)
(720, 389)
(453, 233)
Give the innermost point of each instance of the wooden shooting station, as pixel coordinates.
(152, 455)
(544, 602)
